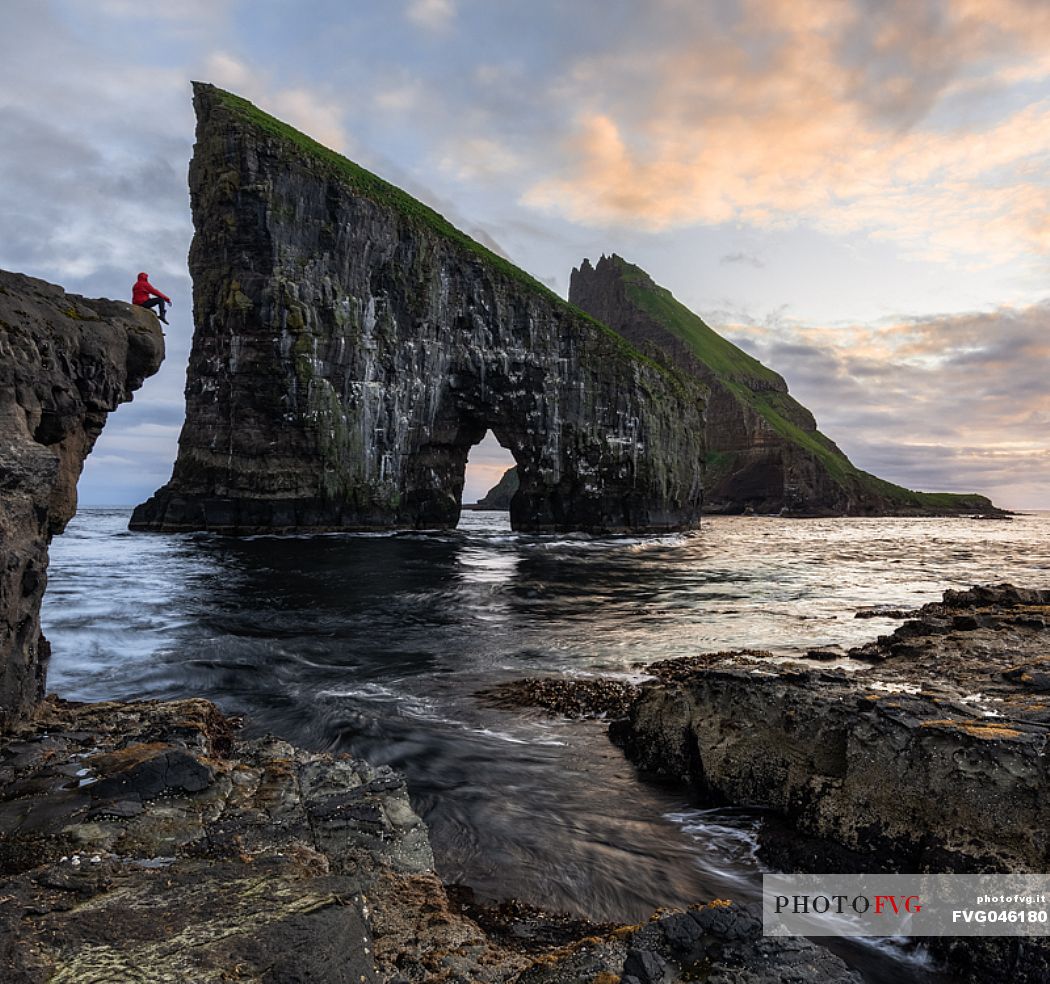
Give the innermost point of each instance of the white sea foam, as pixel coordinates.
(515, 739)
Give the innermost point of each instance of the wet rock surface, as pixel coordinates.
(584, 698)
(66, 362)
(720, 941)
(528, 928)
(351, 346)
(148, 835)
(148, 841)
(580, 698)
(909, 753)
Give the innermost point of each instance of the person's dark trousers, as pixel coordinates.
(157, 302)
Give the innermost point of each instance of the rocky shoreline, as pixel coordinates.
(894, 755)
(150, 841)
(924, 750)
(147, 841)
(153, 835)
(905, 749)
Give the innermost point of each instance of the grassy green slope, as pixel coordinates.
(373, 187)
(725, 359)
(749, 380)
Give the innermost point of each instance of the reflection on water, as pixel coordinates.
(376, 644)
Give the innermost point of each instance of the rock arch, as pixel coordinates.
(351, 346)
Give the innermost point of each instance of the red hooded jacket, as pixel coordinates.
(143, 288)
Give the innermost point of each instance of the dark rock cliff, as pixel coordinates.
(500, 495)
(65, 363)
(351, 346)
(764, 452)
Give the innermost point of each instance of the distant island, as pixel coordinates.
(764, 451)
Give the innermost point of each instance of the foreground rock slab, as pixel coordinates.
(146, 841)
(720, 943)
(66, 362)
(150, 842)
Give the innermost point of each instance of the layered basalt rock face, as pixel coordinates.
(65, 363)
(764, 452)
(351, 346)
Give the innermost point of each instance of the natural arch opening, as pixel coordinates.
(487, 462)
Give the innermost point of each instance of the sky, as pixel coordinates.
(856, 191)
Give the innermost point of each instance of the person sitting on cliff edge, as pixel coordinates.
(140, 295)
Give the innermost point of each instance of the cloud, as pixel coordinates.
(94, 160)
(402, 97)
(957, 402)
(746, 258)
(435, 15)
(86, 205)
(94, 163)
(316, 115)
(479, 157)
(152, 9)
(185, 11)
(850, 117)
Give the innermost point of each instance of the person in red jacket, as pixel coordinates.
(140, 294)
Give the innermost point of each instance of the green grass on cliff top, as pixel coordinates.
(725, 359)
(373, 187)
(748, 380)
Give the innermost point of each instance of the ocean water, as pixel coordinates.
(378, 644)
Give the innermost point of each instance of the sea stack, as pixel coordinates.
(66, 362)
(764, 451)
(351, 346)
